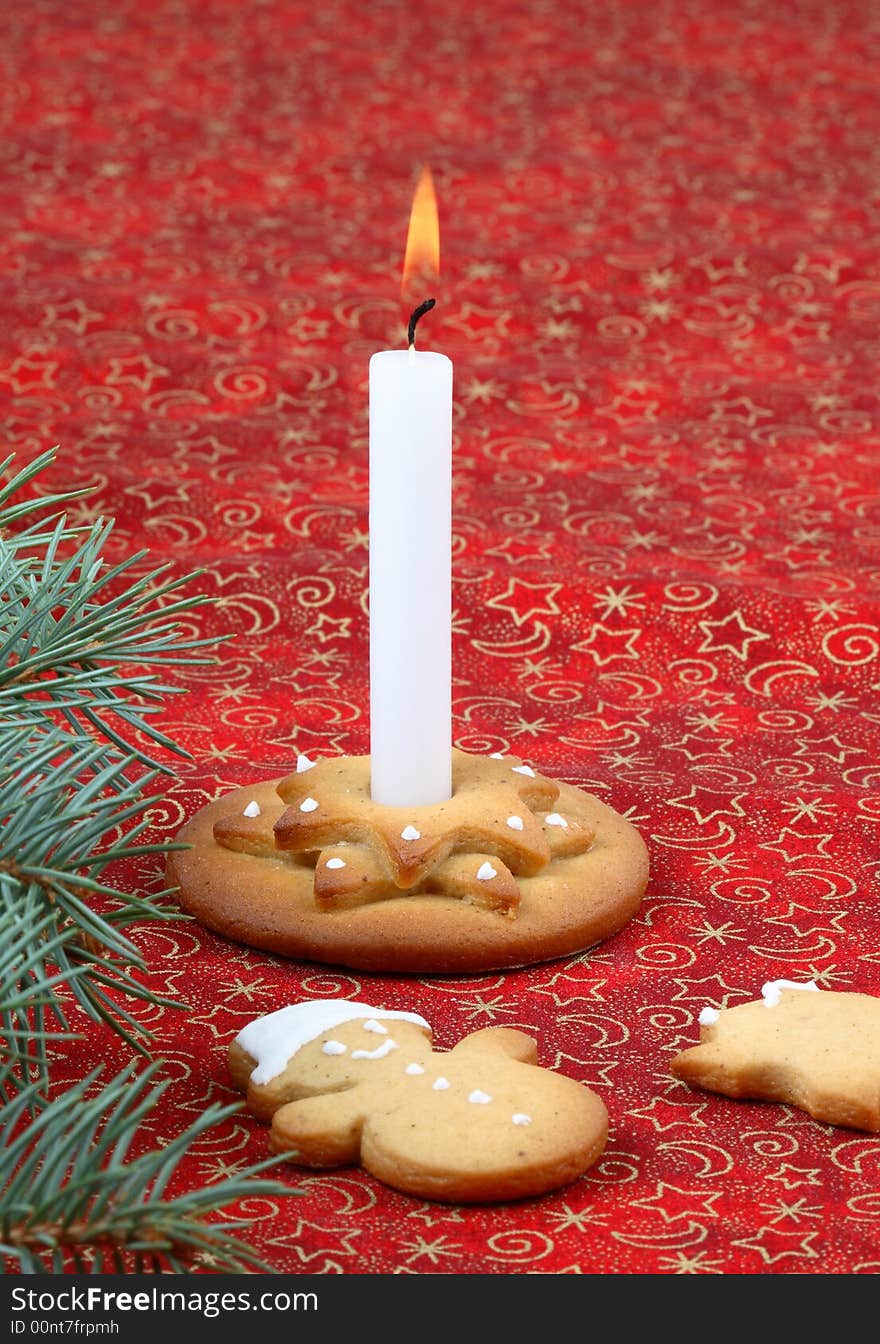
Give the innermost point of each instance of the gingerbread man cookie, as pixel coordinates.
(344, 1082)
(818, 1051)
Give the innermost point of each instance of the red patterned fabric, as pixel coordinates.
(661, 293)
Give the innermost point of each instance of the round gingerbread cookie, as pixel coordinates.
(512, 869)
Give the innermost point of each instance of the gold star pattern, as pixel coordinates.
(579, 1219)
(696, 1203)
(328, 627)
(774, 1245)
(721, 934)
(432, 1251)
(725, 806)
(794, 845)
(721, 863)
(605, 645)
(664, 1115)
(812, 809)
(296, 1241)
(721, 747)
(835, 703)
(797, 1211)
(660, 310)
(659, 279)
(518, 550)
(139, 370)
(699, 1263)
(791, 1177)
(730, 635)
(742, 409)
(29, 375)
(618, 600)
(479, 1006)
(809, 746)
(627, 410)
(526, 600)
(73, 314)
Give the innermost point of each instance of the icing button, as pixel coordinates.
(252, 810)
(486, 872)
(308, 805)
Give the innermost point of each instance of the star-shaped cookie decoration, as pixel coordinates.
(499, 824)
(819, 1051)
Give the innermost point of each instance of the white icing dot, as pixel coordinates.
(708, 1017)
(523, 770)
(308, 805)
(515, 823)
(441, 1084)
(771, 992)
(335, 863)
(481, 1098)
(486, 872)
(334, 1048)
(410, 833)
(413, 1069)
(555, 819)
(379, 1053)
(521, 1118)
(496, 756)
(303, 763)
(375, 1027)
(252, 810)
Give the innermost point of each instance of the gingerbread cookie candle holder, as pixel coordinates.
(415, 858)
(512, 869)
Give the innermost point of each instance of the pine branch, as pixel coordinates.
(78, 643)
(80, 637)
(23, 477)
(73, 1197)
(29, 942)
(60, 799)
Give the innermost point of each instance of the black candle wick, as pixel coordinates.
(414, 317)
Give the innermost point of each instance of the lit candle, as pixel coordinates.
(411, 575)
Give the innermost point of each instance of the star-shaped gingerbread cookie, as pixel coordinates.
(499, 824)
(816, 1050)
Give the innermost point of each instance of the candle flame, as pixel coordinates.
(422, 259)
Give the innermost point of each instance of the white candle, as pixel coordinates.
(410, 577)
